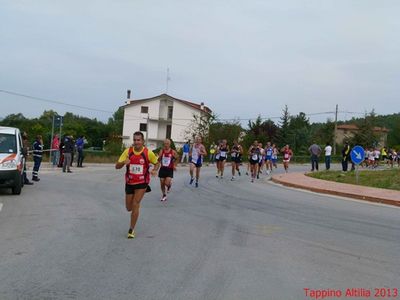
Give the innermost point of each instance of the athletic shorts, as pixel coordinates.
(237, 160)
(253, 162)
(197, 165)
(166, 172)
(220, 158)
(268, 158)
(130, 188)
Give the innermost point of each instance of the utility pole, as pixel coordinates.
(335, 132)
(51, 140)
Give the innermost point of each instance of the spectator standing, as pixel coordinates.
(345, 156)
(315, 152)
(328, 154)
(80, 142)
(25, 150)
(185, 154)
(61, 150)
(68, 150)
(213, 148)
(37, 157)
(55, 150)
(73, 149)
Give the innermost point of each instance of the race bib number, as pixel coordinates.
(254, 157)
(286, 156)
(233, 154)
(136, 169)
(269, 152)
(166, 161)
(223, 153)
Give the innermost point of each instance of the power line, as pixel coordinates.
(54, 101)
(137, 117)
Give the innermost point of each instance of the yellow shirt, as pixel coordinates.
(152, 157)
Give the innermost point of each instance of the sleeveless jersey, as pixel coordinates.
(137, 172)
(167, 159)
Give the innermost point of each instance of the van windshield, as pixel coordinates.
(8, 143)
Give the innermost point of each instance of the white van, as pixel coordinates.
(11, 159)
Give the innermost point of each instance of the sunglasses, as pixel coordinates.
(137, 140)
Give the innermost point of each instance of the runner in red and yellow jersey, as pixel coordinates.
(137, 160)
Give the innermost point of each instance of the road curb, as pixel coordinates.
(317, 189)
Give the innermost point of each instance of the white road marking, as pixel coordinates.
(1, 206)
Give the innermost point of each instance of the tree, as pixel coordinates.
(225, 130)
(262, 131)
(365, 135)
(200, 126)
(284, 130)
(299, 132)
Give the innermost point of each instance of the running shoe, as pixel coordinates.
(131, 234)
(239, 173)
(164, 198)
(247, 173)
(258, 176)
(197, 184)
(191, 180)
(233, 178)
(252, 180)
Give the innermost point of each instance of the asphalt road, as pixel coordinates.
(65, 238)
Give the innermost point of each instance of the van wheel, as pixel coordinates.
(16, 189)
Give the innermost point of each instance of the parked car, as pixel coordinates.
(11, 159)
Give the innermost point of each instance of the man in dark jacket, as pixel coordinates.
(25, 149)
(68, 149)
(345, 156)
(37, 157)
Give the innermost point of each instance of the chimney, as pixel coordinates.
(128, 94)
(202, 105)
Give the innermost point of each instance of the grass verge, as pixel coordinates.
(385, 179)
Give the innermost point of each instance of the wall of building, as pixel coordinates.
(182, 117)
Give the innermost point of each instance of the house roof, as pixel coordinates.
(185, 102)
(355, 127)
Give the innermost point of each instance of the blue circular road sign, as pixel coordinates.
(357, 154)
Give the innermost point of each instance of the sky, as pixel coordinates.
(241, 58)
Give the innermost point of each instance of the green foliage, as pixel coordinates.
(365, 135)
(284, 130)
(95, 131)
(262, 131)
(200, 126)
(225, 130)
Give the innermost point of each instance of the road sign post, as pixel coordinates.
(357, 155)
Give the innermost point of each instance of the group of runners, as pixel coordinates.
(140, 162)
(258, 158)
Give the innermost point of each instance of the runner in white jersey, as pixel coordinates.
(222, 154)
(261, 160)
(275, 156)
(236, 155)
(196, 154)
(268, 157)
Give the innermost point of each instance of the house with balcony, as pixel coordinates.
(347, 132)
(159, 117)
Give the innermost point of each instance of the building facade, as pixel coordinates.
(158, 118)
(347, 132)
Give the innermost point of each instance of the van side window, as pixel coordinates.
(8, 143)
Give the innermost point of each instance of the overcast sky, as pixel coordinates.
(242, 58)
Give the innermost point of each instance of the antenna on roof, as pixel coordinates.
(168, 79)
